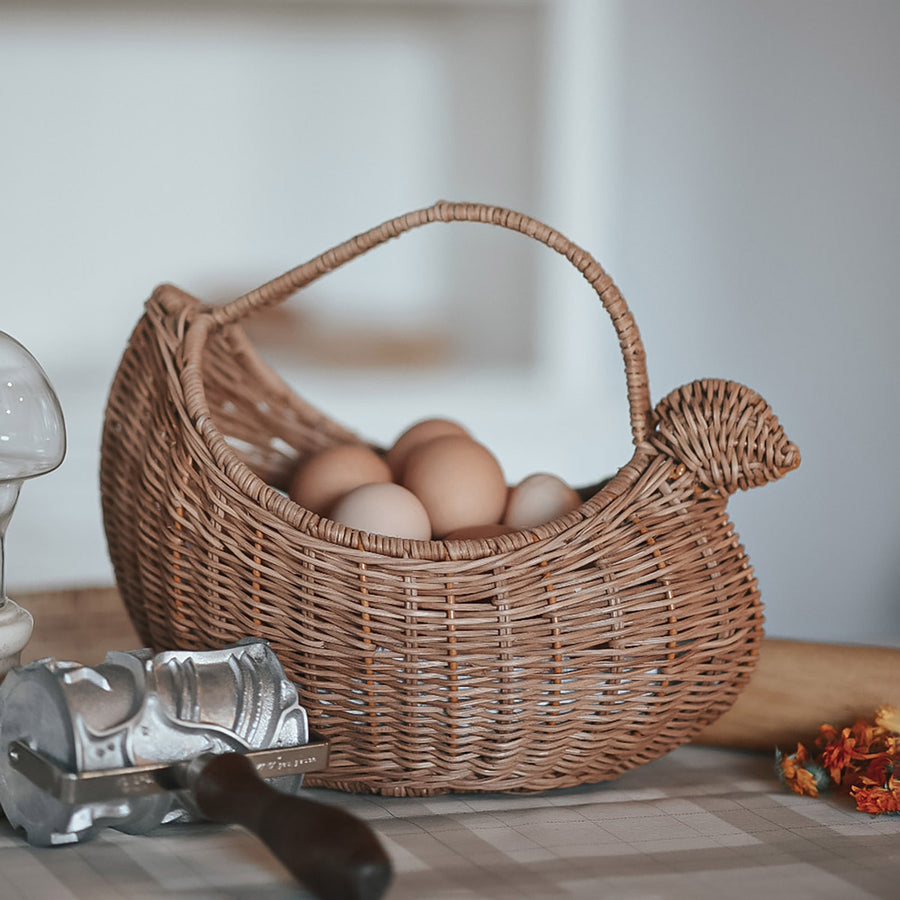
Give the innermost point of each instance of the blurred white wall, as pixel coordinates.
(732, 165)
(760, 226)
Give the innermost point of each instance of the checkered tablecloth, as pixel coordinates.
(699, 823)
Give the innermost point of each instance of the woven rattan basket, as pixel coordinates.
(563, 654)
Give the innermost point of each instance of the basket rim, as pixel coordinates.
(250, 486)
(198, 320)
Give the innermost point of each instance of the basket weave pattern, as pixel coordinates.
(559, 655)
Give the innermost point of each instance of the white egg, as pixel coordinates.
(537, 499)
(384, 508)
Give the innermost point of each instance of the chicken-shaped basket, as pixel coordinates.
(556, 655)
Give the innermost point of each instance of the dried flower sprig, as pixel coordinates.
(861, 759)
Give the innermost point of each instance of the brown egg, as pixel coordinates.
(459, 482)
(417, 434)
(387, 509)
(475, 532)
(539, 498)
(325, 477)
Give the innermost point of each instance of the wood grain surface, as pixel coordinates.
(78, 625)
(799, 685)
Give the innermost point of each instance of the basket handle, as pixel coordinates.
(279, 289)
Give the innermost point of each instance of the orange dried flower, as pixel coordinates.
(839, 753)
(827, 734)
(799, 773)
(876, 798)
(863, 735)
(878, 771)
(805, 783)
(861, 758)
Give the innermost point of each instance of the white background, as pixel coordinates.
(732, 164)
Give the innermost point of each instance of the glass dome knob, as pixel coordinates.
(32, 443)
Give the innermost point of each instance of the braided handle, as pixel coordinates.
(277, 290)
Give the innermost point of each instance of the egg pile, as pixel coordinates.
(435, 482)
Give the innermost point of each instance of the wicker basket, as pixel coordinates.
(563, 654)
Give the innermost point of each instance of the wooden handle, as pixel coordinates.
(330, 852)
(798, 686)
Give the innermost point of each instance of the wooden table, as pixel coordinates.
(80, 624)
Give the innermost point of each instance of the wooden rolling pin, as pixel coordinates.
(797, 686)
